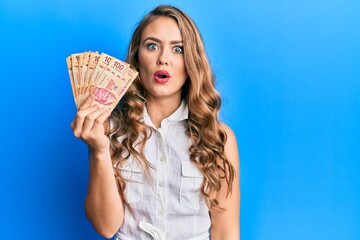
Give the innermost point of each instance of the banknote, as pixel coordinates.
(75, 61)
(102, 75)
(110, 83)
(93, 60)
(84, 62)
(69, 65)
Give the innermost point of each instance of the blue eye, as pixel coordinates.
(152, 46)
(179, 49)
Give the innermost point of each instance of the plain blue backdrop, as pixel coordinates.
(289, 75)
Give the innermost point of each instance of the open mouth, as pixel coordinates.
(161, 76)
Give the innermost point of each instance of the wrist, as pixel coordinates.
(99, 154)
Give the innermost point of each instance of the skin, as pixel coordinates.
(160, 49)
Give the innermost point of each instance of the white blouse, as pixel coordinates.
(169, 206)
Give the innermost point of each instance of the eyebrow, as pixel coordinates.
(159, 41)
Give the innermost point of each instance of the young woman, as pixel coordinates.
(163, 166)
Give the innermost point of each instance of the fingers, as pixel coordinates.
(88, 124)
(80, 118)
(87, 102)
(93, 120)
(102, 118)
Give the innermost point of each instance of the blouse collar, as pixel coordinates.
(180, 114)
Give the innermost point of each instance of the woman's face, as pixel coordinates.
(161, 59)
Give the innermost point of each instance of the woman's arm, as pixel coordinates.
(103, 204)
(226, 225)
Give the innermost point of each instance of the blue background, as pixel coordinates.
(289, 74)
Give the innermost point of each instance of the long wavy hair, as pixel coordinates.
(203, 126)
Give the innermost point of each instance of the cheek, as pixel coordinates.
(181, 65)
(144, 63)
(143, 56)
(140, 58)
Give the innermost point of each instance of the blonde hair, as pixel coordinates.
(203, 126)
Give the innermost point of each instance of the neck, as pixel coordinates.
(160, 109)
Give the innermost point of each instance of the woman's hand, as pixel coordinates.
(88, 125)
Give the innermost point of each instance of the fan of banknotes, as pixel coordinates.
(102, 75)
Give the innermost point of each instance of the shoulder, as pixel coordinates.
(231, 147)
(231, 138)
(229, 132)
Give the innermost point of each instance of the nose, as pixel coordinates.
(163, 59)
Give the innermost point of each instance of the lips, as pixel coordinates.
(161, 76)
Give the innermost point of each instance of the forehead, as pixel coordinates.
(163, 28)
